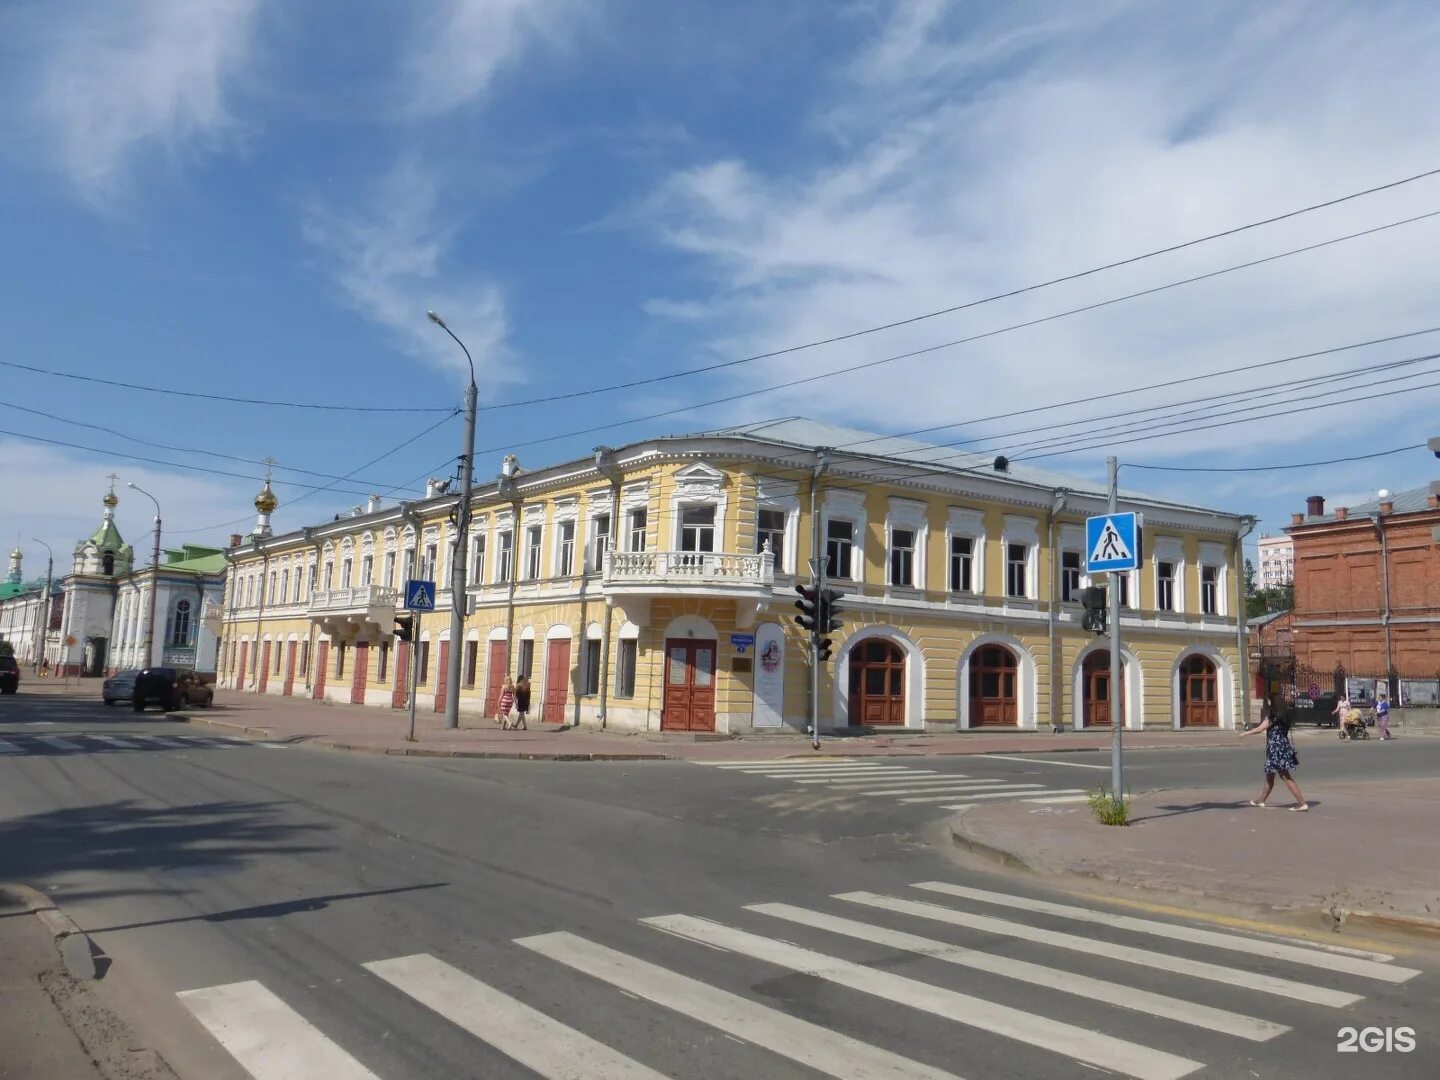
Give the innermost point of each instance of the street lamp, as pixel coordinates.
(462, 541)
(42, 619)
(154, 579)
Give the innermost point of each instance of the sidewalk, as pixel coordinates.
(1365, 851)
(366, 729)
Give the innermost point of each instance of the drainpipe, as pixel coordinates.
(509, 490)
(605, 465)
(822, 462)
(1385, 598)
(411, 518)
(311, 633)
(259, 612)
(1057, 679)
(1247, 527)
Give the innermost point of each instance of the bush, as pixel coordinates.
(1109, 810)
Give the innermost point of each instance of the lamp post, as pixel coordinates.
(154, 580)
(42, 619)
(462, 541)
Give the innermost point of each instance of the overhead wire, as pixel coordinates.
(1272, 468)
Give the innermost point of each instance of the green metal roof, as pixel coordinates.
(107, 537)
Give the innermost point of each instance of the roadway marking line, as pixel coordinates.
(10, 748)
(274, 745)
(1042, 761)
(1094, 1048)
(829, 770)
(1294, 954)
(1126, 997)
(942, 785)
(830, 1052)
(166, 742)
(111, 740)
(1129, 954)
(1062, 799)
(535, 1040)
(57, 743)
(789, 763)
(1014, 793)
(929, 776)
(270, 1039)
(877, 774)
(1254, 926)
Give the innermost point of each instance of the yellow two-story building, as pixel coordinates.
(652, 587)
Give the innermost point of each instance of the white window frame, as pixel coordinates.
(782, 496)
(504, 552)
(1216, 557)
(1024, 531)
(565, 516)
(477, 557)
(845, 505)
(1170, 549)
(598, 540)
(715, 528)
(534, 550)
(969, 523)
(635, 538)
(634, 497)
(907, 515)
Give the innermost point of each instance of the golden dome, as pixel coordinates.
(111, 500)
(266, 502)
(17, 554)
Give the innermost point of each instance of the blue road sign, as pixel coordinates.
(420, 596)
(741, 642)
(1112, 542)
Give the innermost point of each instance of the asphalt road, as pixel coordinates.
(600, 919)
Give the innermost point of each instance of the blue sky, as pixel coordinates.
(262, 199)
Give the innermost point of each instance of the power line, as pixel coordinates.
(1274, 468)
(216, 397)
(695, 406)
(167, 446)
(722, 365)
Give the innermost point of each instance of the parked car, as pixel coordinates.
(170, 688)
(9, 675)
(119, 687)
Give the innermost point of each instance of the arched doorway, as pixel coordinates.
(877, 684)
(993, 702)
(1199, 701)
(1096, 674)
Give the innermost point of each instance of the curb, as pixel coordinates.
(70, 940)
(1336, 917)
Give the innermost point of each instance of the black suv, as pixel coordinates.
(170, 688)
(9, 675)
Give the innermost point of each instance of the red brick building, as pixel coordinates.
(1367, 586)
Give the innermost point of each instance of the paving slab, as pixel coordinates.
(1366, 850)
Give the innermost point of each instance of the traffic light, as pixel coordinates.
(809, 617)
(1093, 599)
(405, 627)
(830, 610)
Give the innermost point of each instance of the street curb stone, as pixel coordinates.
(70, 940)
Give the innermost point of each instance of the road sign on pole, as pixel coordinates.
(1112, 542)
(419, 595)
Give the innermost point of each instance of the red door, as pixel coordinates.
(289, 687)
(264, 666)
(689, 686)
(442, 677)
(322, 668)
(494, 676)
(240, 671)
(877, 684)
(1097, 689)
(399, 697)
(1199, 706)
(557, 680)
(362, 672)
(993, 701)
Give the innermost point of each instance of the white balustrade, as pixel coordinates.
(689, 567)
(356, 597)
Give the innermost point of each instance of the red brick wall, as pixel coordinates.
(1339, 595)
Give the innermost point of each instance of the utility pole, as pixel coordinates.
(1117, 714)
(817, 582)
(154, 580)
(458, 599)
(42, 623)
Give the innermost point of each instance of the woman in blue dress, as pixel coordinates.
(1280, 756)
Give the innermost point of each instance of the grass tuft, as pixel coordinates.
(1109, 810)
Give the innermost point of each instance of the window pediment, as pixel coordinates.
(699, 479)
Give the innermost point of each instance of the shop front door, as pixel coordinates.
(289, 687)
(362, 673)
(689, 686)
(322, 668)
(557, 680)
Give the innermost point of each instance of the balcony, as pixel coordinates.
(339, 609)
(747, 579)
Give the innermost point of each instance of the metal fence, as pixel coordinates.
(1309, 688)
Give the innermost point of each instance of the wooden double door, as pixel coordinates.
(689, 686)
(1199, 700)
(877, 684)
(994, 700)
(1098, 687)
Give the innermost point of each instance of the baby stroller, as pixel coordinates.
(1353, 726)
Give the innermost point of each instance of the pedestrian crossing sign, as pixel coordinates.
(420, 596)
(1112, 542)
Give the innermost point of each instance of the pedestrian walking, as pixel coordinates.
(1382, 715)
(1342, 710)
(522, 702)
(1280, 756)
(505, 704)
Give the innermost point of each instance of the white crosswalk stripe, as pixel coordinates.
(57, 743)
(271, 1040)
(10, 748)
(111, 740)
(1014, 791)
(90, 742)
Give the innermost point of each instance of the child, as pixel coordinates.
(1382, 715)
(506, 703)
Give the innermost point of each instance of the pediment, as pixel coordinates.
(699, 477)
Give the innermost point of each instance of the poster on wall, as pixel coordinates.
(769, 676)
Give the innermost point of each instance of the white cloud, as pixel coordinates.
(388, 257)
(961, 158)
(457, 51)
(139, 76)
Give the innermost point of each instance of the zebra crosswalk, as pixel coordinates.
(1104, 1018)
(21, 745)
(903, 784)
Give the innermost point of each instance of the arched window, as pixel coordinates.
(180, 625)
(107, 564)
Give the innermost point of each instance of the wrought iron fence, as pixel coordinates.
(1310, 688)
